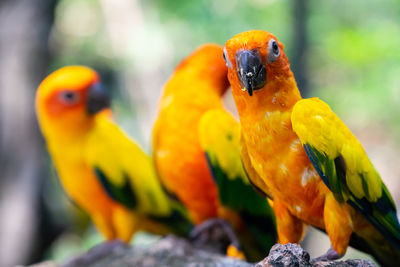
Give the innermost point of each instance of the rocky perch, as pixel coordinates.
(173, 251)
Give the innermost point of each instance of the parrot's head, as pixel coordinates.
(256, 62)
(205, 64)
(68, 99)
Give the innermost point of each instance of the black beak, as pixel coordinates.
(98, 99)
(251, 70)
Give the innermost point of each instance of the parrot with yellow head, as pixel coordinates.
(304, 157)
(102, 169)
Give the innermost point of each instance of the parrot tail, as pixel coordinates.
(258, 238)
(371, 241)
(177, 221)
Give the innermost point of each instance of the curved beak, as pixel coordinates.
(98, 99)
(251, 70)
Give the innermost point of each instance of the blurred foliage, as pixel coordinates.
(355, 59)
(354, 53)
(192, 23)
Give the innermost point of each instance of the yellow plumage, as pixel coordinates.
(316, 124)
(99, 166)
(219, 135)
(108, 147)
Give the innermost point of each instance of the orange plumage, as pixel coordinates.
(280, 150)
(196, 151)
(180, 161)
(270, 107)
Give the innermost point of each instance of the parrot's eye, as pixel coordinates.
(226, 58)
(273, 51)
(68, 97)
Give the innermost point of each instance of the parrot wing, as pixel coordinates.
(344, 166)
(124, 170)
(219, 135)
(157, 128)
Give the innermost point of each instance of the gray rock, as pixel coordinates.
(293, 255)
(286, 255)
(177, 252)
(350, 263)
(169, 251)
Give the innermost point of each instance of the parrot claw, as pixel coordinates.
(330, 255)
(214, 230)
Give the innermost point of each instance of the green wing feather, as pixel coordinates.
(219, 135)
(121, 193)
(119, 163)
(344, 166)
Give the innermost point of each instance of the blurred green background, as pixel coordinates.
(345, 52)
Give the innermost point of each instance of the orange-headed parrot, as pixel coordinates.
(197, 155)
(99, 166)
(304, 156)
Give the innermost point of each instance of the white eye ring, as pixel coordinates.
(226, 58)
(68, 97)
(273, 51)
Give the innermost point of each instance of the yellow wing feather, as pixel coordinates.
(316, 125)
(219, 135)
(119, 158)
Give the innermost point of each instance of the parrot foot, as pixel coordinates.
(330, 255)
(216, 231)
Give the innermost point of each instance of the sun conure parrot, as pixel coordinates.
(304, 156)
(197, 154)
(100, 167)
